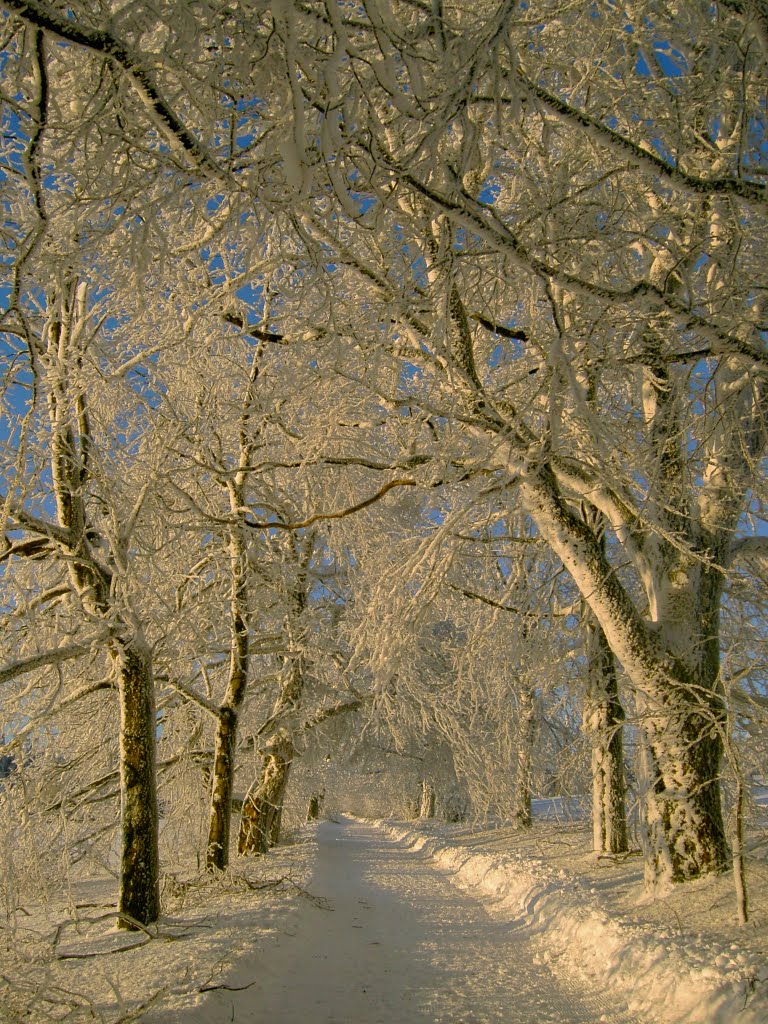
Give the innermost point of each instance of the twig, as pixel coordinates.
(104, 952)
(229, 988)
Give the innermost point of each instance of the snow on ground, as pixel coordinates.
(394, 943)
(360, 924)
(64, 959)
(680, 959)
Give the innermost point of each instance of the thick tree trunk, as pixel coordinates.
(139, 896)
(263, 806)
(427, 800)
(682, 801)
(604, 720)
(685, 728)
(673, 666)
(522, 813)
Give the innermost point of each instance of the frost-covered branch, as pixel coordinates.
(108, 45)
(753, 192)
(53, 657)
(483, 221)
(753, 550)
(331, 712)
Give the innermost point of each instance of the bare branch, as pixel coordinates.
(318, 516)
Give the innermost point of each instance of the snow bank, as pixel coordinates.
(691, 980)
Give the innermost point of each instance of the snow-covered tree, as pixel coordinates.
(533, 230)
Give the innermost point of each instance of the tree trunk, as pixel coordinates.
(682, 801)
(427, 802)
(92, 580)
(673, 664)
(223, 779)
(313, 809)
(139, 896)
(522, 814)
(604, 718)
(222, 785)
(685, 727)
(263, 806)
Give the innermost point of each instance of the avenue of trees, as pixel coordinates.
(396, 370)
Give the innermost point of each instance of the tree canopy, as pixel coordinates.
(354, 352)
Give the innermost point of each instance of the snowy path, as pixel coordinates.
(396, 944)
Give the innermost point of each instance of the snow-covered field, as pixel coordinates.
(262, 938)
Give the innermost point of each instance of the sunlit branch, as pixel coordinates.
(645, 159)
(642, 296)
(54, 657)
(340, 514)
(108, 45)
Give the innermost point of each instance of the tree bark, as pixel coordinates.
(223, 777)
(91, 578)
(263, 806)
(604, 721)
(683, 711)
(222, 782)
(262, 812)
(222, 786)
(522, 814)
(427, 801)
(139, 896)
(313, 808)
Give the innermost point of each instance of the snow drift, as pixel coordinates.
(694, 980)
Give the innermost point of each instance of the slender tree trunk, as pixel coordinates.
(222, 782)
(522, 813)
(263, 806)
(139, 896)
(737, 846)
(313, 808)
(604, 720)
(223, 778)
(92, 579)
(222, 786)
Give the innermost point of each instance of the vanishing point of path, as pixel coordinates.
(396, 943)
